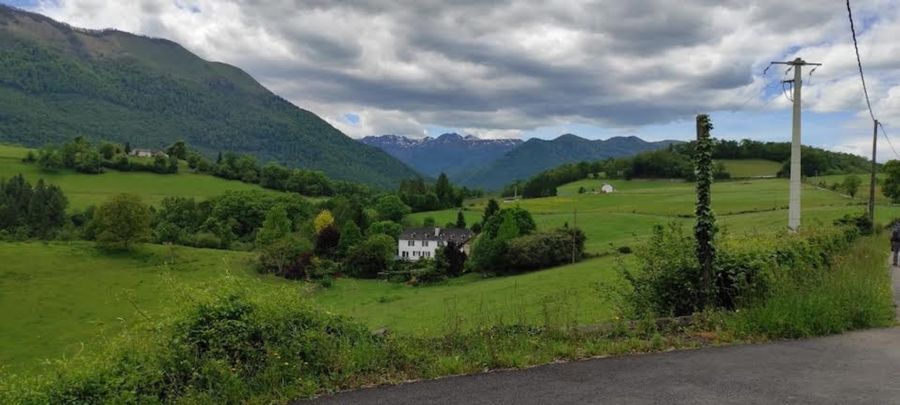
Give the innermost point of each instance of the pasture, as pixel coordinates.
(748, 168)
(62, 298)
(85, 190)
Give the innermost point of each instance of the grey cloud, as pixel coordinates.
(503, 65)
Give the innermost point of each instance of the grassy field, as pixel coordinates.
(744, 168)
(622, 217)
(56, 296)
(84, 190)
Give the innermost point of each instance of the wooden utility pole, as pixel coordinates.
(794, 202)
(874, 171)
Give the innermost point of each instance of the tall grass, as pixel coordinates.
(853, 293)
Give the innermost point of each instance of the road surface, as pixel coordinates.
(857, 367)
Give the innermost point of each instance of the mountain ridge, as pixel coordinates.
(536, 155)
(449, 153)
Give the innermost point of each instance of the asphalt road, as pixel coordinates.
(858, 367)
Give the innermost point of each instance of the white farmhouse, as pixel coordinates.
(418, 243)
(146, 153)
(606, 188)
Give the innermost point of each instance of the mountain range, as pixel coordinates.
(58, 82)
(491, 164)
(450, 153)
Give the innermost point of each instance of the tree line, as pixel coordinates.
(675, 162)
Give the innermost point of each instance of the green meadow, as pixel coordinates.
(744, 168)
(61, 299)
(84, 190)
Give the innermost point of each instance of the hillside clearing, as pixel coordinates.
(84, 190)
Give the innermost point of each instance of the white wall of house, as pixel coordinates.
(414, 250)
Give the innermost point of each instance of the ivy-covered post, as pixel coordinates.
(705, 230)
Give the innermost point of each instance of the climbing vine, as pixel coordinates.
(705, 229)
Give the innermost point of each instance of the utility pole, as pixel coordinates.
(874, 170)
(794, 202)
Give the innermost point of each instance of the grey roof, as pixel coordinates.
(444, 234)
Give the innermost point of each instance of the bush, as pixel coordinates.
(625, 250)
(289, 257)
(854, 293)
(371, 257)
(544, 250)
(667, 282)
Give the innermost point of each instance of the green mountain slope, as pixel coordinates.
(57, 82)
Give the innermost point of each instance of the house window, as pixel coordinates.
(405, 254)
(425, 243)
(410, 243)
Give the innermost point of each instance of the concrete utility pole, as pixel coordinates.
(794, 204)
(874, 170)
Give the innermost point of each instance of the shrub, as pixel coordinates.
(544, 250)
(288, 257)
(371, 257)
(853, 293)
(625, 250)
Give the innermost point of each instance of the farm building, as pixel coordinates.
(607, 188)
(146, 153)
(418, 243)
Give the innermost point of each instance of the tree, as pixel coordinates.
(322, 221)
(122, 221)
(451, 260)
(288, 257)
(522, 218)
(391, 208)
(178, 149)
(490, 210)
(851, 184)
(444, 191)
(350, 236)
(389, 228)
(460, 220)
(108, 150)
(327, 240)
(371, 257)
(276, 226)
(127, 148)
(891, 186)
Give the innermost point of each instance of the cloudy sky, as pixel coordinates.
(539, 69)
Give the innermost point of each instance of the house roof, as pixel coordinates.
(443, 234)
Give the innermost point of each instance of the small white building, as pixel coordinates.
(419, 243)
(607, 188)
(146, 153)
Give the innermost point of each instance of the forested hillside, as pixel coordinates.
(58, 82)
(536, 155)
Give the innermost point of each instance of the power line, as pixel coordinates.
(888, 139)
(859, 61)
(862, 78)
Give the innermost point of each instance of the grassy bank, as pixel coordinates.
(855, 293)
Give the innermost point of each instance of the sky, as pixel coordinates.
(504, 69)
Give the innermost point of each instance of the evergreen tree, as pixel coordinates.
(490, 210)
(350, 236)
(460, 220)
